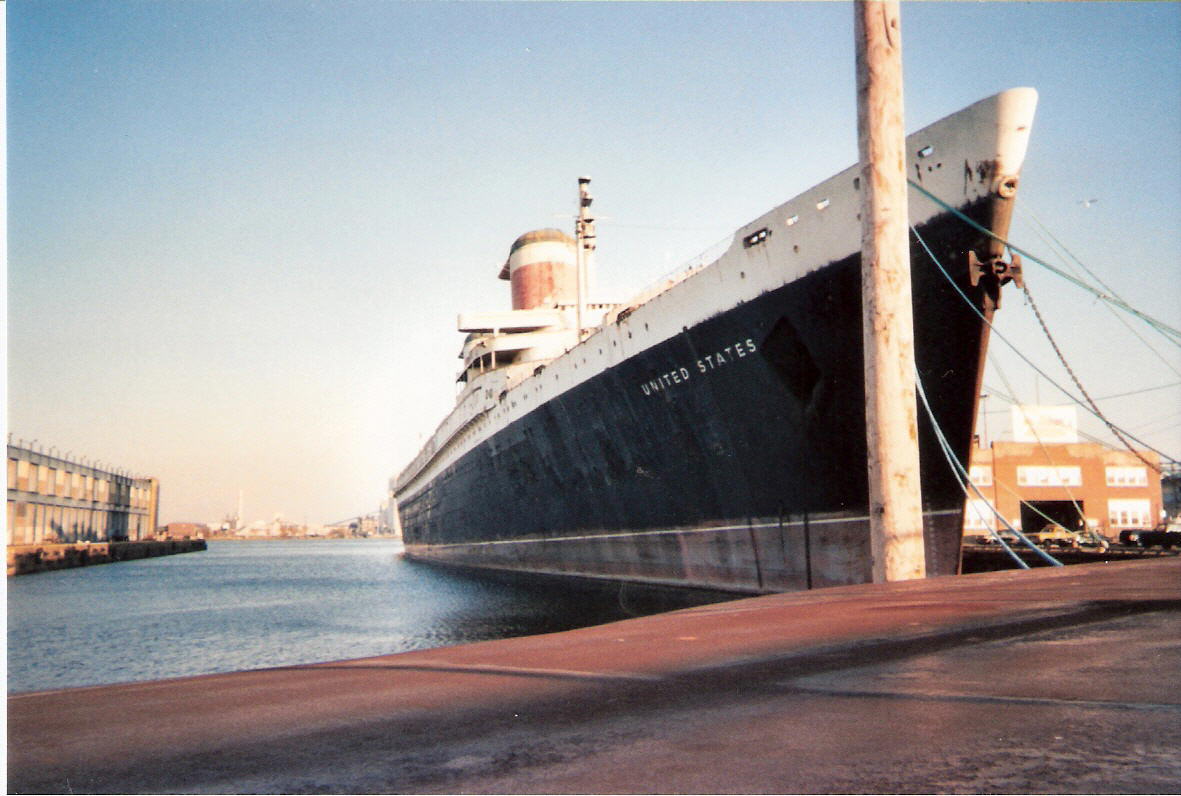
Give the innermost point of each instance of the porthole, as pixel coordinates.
(755, 238)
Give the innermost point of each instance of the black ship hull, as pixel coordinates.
(730, 456)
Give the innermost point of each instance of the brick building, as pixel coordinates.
(1043, 477)
(54, 499)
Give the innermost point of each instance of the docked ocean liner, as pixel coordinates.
(711, 433)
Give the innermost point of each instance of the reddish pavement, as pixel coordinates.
(1049, 680)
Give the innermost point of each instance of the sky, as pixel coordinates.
(239, 233)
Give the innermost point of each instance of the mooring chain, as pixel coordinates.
(1094, 407)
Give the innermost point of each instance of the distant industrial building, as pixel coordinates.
(56, 499)
(184, 530)
(1046, 475)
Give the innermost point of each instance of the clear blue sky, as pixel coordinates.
(240, 232)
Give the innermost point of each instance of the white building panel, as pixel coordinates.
(980, 474)
(1129, 513)
(1056, 424)
(1127, 476)
(979, 515)
(1040, 475)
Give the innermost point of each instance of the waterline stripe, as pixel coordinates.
(626, 534)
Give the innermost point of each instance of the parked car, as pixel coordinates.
(1159, 536)
(987, 538)
(1054, 535)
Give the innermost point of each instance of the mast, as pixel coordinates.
(584, 241)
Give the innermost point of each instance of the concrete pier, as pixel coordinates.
(1051, 680)
(989, 558)
(25, 559)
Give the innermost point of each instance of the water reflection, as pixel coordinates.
(491, 605)
(247, 605)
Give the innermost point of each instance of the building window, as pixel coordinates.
(1129, 514)
(979, 516)
(1127, 476)
(22, 475)
(21, 530)
(980, 474)
(1037, 475)
(43, 485)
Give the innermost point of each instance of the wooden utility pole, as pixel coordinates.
(895, 498)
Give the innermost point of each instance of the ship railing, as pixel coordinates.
(674, 277)
(459, 419)
(470, 408)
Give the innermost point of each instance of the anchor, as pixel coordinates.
(996, 271)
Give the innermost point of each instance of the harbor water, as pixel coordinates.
(256, 604)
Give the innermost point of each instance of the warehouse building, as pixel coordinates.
(1045, 474)
(57, 499)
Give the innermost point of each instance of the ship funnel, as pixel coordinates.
(541, 269)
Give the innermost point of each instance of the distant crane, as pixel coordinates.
(357, 524)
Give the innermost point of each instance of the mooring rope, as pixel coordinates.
(1077, 383)
(1011, 345)
(965, 483)
(1045, 451)
(1111, 299)
(1053, 241)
